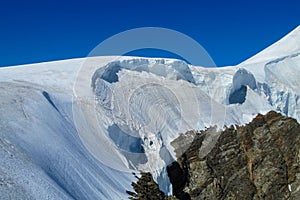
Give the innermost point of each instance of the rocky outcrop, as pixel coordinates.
(260, 160)
(257, 161)
(146, 188)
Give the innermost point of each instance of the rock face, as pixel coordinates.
(257, 161)
(260, 160)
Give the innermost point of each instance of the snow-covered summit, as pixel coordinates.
(286, 46)
(83, 125)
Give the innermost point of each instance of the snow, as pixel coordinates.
(49, 139)
(243, 78)
(286, 46)
(77, 129)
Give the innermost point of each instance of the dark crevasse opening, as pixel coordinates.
(238, 96)
(242, 80)
(111, 74)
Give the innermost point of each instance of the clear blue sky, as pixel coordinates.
(231, 31)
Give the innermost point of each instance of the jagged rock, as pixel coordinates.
(260, 160)
(257, 161)
(146, 188)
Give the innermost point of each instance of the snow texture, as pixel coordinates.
(77, 129)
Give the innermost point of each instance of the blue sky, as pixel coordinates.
(230, 31)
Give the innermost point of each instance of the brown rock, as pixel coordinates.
(257, 161)
(260, 160)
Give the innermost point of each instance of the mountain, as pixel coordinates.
(259, 160)
(77, 129)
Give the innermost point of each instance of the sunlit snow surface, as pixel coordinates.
(77, 129)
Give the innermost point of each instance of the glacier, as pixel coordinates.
(77, 129)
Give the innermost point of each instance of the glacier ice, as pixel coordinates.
(77, 129)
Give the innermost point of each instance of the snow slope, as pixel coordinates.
(48, 161)
(287, 46)
(77, 129)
